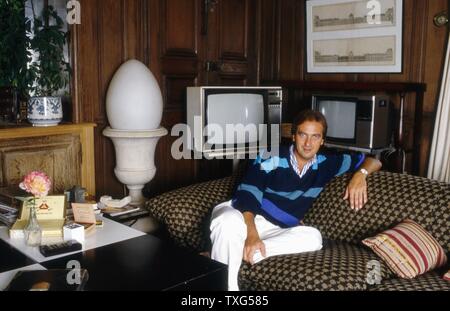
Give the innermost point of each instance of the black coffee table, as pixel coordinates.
(11, 259)
(146, 263)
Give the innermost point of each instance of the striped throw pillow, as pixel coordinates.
(408, 249)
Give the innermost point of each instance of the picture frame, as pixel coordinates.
(354, 36)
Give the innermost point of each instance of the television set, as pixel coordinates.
(233, 120)
(359, 122)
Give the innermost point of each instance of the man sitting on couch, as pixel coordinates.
(264, 218)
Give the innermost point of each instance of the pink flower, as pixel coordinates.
(36, 183)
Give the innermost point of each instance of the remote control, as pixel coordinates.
(59, 248)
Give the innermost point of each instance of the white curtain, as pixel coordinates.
(439, 165)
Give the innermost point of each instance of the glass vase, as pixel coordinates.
(32, 231)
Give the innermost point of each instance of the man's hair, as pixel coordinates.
(310, 115)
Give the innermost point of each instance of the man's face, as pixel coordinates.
(308, 140)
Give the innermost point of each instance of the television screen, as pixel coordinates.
(243, 109)
(341, 116)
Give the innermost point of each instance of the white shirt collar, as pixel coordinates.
(294, 163)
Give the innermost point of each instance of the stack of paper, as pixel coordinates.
(8, 214)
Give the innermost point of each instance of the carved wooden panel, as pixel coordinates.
(231, 43)
(233, 30)
(180, 27)
(175, 91)
(59, 156)
(233, 80)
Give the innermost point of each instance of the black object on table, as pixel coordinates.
(128, 216)
(48, 280)
(60, 248)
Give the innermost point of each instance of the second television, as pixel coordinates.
(356, 121)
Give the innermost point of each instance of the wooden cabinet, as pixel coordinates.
(64, 152)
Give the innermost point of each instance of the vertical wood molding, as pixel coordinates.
(99, 61)
(154, 13)
(258, 41)
(278, 42)
(74, 80)
(87, 148)
(144, 31)
(417, 49)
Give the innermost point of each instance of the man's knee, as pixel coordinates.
(227, 218)
(315, 238)
(311, 237)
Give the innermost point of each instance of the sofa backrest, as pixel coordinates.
(392, 198)
(440, 226)
(186, 212)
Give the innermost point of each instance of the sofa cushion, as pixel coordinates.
(185, 212)
(391, 198)
(338, 266)
(439, 227)
(447, 276)
(408, 249)
(431, 281)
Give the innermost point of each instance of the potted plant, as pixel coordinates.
(15, 55)
(50, 68)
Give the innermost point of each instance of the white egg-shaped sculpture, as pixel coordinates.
(134, 100)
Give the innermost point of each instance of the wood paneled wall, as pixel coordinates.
(424, 44)
(250, 40)
(175, 41)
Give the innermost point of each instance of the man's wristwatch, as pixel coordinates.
(364, 171)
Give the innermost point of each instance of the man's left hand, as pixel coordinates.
(356, 191)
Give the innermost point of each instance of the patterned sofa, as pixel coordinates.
(342, 264)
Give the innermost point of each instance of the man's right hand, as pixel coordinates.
(252, 244)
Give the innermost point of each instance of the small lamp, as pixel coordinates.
(134, 109)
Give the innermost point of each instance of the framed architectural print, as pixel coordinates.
(346, 36)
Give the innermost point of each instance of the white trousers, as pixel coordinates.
(229, 232)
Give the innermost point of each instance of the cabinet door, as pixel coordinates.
(210, 42)
(59, 156)
(181, 43)
(230, 42)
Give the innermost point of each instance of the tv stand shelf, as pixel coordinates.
(398, 88)
(375, 152)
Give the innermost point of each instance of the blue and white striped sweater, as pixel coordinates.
(272, 188)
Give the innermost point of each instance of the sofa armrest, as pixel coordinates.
(392, 198)
(185, 212)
